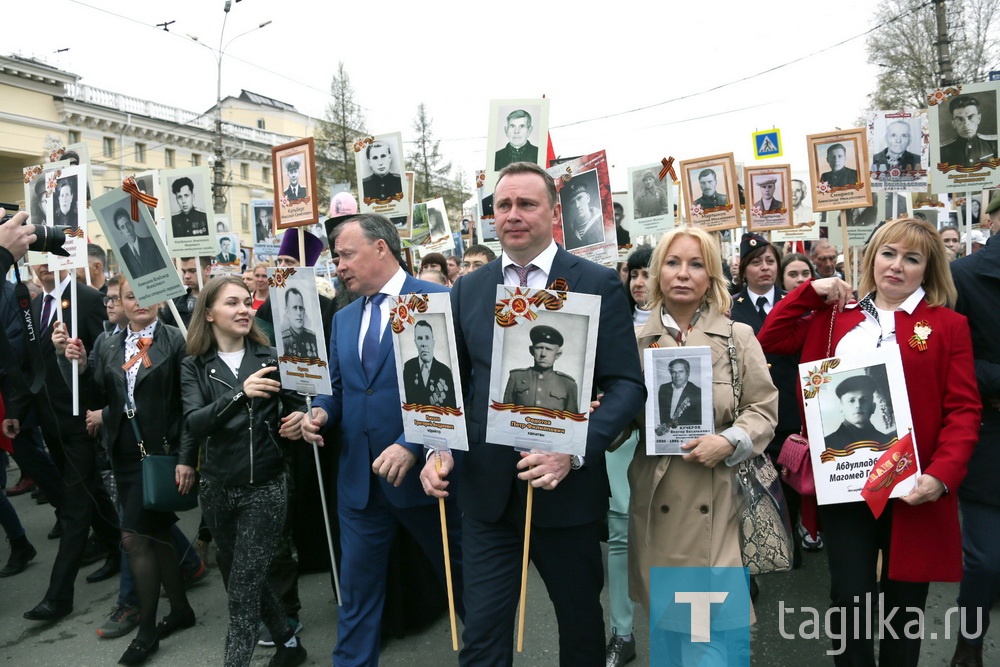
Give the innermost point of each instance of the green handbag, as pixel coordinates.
(159, 478)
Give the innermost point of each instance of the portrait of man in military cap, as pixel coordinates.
(765, 191)
(583, 217)
(297, 339)
(650, 199)
(295, 190)
(856, 400)
(542, 385)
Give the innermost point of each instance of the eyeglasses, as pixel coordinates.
(111, 299)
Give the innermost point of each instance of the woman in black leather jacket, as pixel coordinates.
(233, 405)
(137, 376)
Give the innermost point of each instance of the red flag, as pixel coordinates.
(898, 463)
(550, 154)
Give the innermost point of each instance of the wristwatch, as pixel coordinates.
(575, 462)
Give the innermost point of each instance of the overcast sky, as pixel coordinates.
(456, 56)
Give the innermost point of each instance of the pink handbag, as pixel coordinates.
(796, 466)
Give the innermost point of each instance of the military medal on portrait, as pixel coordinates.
(679, 387)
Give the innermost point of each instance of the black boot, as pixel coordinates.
(967, 655)
(21, 552)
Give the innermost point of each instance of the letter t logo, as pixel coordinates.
(701, 604)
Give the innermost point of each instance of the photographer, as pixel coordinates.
(15, 237)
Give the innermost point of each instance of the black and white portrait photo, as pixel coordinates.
(229, 246)
(517, 129)
(137, 249)
(298, 338)
(437, 220)
(427, 376)
(967, 127)
(541, 384)
(382, 179)
(291, 167)
(650, 198)
(858, 410)
(583, 216)
(66, 204)
(679, 400)
(842, 164)
(839, 169)
(899, 147)
(263, 223)
(188, 203)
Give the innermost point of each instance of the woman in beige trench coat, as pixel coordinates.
(684, 511)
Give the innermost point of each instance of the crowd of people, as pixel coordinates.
(213, 398)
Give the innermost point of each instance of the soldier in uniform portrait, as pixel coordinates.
(297, 339)
(710, 197)
(189, 221)
(767, 202)
(652, 200)
(427, 380)
(295, 191)
(969, 148)
(840, 174)
(895, 155)
(541, 385)
(382, 185)
(584, 223)
(857, 402)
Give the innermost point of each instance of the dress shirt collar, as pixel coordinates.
(909, 305)
(542, 261)
(393, 286)
(769, 295)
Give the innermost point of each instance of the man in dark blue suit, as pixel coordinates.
(374, 491)
(572, 502)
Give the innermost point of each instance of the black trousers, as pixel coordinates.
(853, 538)
(570, 563)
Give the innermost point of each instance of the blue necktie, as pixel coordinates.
(370, 345)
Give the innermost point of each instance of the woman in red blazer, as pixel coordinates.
(906, 281)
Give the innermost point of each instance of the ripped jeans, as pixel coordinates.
(246, 522)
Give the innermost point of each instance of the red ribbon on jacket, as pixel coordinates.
(129, 185)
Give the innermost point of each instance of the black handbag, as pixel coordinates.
(159, 478)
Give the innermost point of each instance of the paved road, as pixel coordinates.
(73, 642)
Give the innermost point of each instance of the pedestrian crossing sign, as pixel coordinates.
(767, 144)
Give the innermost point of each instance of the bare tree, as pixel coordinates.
(343, 124)
(426, 160)
(904, 46)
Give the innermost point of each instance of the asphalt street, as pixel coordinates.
(73, 640)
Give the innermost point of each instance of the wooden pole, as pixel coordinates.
(968, 222)
(524, 569)
(326, 512)
(447, 563)
(302, 246)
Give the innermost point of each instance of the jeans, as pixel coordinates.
(246, 522)
(621, 607)
(981, 578)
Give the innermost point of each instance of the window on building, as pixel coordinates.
(195, 160)
(245, 216)
(109, 147)
(168, 157)
(265, 174)
(260, 124)
(244, 171)
(74, 137)
(140, 152)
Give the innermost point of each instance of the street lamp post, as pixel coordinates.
(218, 168)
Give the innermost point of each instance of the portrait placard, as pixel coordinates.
(77, 154)
(518, 131)
(964, 122)
(430, 388)
(66, 208)
(189, 196)
(587, 228)
(36, 200)
(142, 257)
(404, 223)
(226, 260)
(149, 182)
(265, 242)
(768, 189)
(298, 330)
(805, 223)
(679, 408)
(293, 168)
(380, 166)
(899, 149)
(544, 342)
(838, 170)
(650, 209)
(856, 408)
(711, 192)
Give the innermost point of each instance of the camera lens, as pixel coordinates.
(50, 239)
